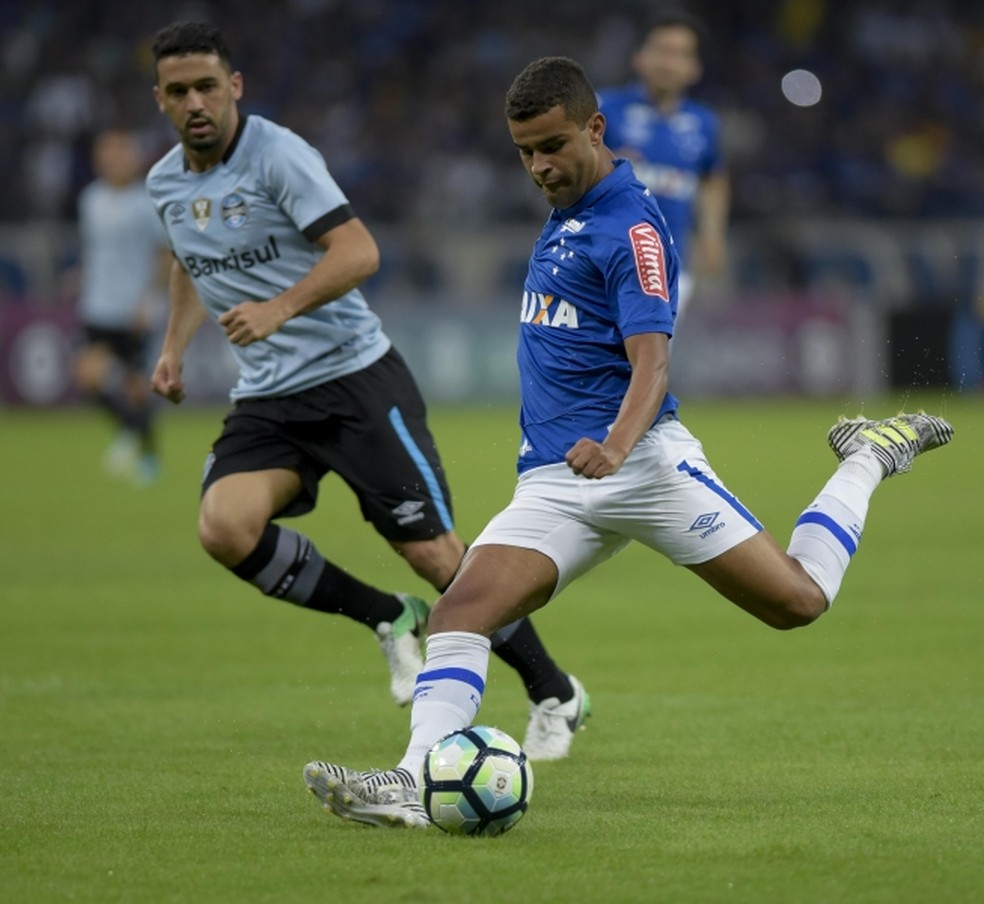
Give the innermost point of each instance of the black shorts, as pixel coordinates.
(129, 347)
(369, 427)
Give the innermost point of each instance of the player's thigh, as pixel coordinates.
(255, 439)
(758, 576)
(546, 515)
(92, 364)
(496, 585)
(235, 510)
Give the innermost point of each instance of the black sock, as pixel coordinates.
(117, 408)
(141, 421)
(285, 565)
(519, 646)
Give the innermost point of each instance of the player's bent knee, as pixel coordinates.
(800, 610)
(437, 560)
(224, 541)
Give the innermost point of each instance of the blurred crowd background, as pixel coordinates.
(404, 97)
(873, 194)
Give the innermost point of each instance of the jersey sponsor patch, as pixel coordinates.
(650, 261)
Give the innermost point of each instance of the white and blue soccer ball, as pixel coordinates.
(476, 781)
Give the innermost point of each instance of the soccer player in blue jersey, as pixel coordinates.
(266, 243)
(674, 144)
(122, 248)
(604, 458)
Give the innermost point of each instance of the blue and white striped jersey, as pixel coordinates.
(246, 231)
(601, 271)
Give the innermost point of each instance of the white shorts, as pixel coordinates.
(665, 496)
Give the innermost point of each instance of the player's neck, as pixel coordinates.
(666, 101)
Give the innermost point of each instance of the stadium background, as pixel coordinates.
(855, 235)
(155, 714)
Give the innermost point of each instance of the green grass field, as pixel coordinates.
(155, 713)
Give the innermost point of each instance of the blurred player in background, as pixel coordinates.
(122, 247)
(265, 242)
(604, 458)
(674, 144)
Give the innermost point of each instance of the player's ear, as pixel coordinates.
(236, 80)
(596, 127)
(159, 97)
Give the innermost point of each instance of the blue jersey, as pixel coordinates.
(601, 271)
(246, 230)
(670, 154)
(120, 238)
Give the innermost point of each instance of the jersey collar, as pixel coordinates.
(232, 145)
(621, 175)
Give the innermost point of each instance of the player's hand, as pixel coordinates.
(251, 320)
(166, 379)
(592, 459)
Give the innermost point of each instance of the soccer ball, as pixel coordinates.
(476, 781)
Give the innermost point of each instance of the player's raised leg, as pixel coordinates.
(791, 589)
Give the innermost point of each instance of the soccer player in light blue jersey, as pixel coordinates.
(674, 144)
(266, 243)
(122, 248)
(604, 458)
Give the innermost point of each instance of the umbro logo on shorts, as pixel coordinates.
(707, 524)
(408, 512)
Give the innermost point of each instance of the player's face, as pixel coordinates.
(198, 94)
(563, 159)
(116, 158)
(668, 61)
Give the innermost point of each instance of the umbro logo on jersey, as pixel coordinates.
(572, 225)
(650, 261)
(408, 512)
(175, 212)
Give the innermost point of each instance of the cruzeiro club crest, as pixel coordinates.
(201, 210)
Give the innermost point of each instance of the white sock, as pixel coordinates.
(448, 693)
(827, 534)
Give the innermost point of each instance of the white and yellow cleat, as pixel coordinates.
(388, 799)
(895, 441)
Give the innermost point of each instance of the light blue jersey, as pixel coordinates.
(120, 238)
(246, 231)
(601, 271)
(670, 154)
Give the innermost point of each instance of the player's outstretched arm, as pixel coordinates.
(186, 315)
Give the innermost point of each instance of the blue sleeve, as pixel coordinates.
(641, 278)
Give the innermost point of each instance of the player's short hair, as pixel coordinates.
(676, 17)
(184, 38)
(550, 82)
